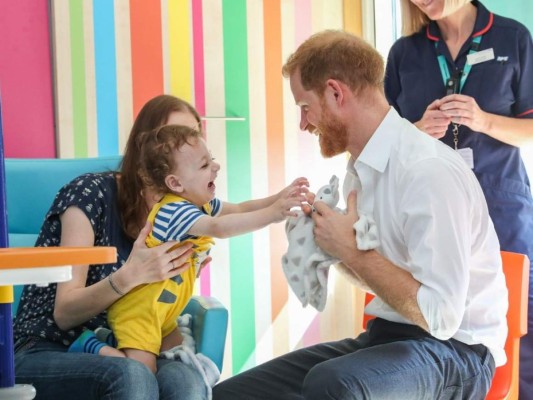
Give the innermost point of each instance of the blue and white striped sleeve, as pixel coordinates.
(216, 206)
(174, 220)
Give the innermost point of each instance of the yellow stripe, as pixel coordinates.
(179, 42)
(352, 16)
(6, 294)
(326, 14)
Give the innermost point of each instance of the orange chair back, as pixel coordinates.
(516, 271)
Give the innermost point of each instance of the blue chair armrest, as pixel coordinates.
(210, 324)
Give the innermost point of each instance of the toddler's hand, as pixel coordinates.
(292, 196)
(298, 187)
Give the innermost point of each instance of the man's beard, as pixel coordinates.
(333, 134)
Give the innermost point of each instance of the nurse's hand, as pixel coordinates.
(434, 121)
(464, 110)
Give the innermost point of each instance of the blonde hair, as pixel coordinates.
(413, 19)
(336, 55)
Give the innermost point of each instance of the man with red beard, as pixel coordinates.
(434, 263)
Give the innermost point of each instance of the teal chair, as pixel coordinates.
(31, 185)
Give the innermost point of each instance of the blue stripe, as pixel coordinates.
(158, 234)
(185, 217)
(106, 77)
(164, 218)
(173, 220)
(176, 232)
(215, 206)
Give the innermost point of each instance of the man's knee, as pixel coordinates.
(325, 382)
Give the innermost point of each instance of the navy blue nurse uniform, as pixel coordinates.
(502, 86)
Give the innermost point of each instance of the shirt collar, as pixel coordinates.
(377, 151)
(484, 20)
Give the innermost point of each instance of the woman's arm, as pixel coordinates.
(76, 303)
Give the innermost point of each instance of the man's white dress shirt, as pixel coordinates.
(430, 216)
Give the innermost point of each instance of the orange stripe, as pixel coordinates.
(353, 16)
(275, 144)
(146, 51)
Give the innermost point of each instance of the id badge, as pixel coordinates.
(467, 155)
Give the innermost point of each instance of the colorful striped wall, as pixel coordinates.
(225, 57)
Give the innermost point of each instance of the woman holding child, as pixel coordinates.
(104, 209)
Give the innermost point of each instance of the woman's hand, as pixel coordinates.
(77, 303)
(434, 121)
(146, 265)
(464, 110)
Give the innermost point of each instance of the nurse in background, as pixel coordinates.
(465, 76)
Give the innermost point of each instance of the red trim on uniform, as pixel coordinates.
(525, 113)
(431, 37)
(485, 29)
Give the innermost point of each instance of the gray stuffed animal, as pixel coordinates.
(306, 266)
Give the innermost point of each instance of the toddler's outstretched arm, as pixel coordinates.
(299, 184)
(275, 209)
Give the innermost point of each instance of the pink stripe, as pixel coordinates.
(199, 100)
(303, 29)
(26, 71)
(312, 334)
(198, 54)
(205, 281)
(302, 13)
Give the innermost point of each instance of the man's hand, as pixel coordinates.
(334, 231)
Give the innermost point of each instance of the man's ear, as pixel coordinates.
(334, 91)
(173, 183)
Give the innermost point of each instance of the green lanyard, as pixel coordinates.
(453, 84)
(449, 82)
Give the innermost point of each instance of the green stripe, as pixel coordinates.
(79, 95)
(239, 178)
